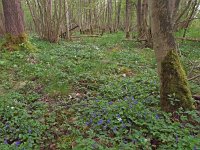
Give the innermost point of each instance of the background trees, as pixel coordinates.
(96, 17)
(53, 20)
(49, 16)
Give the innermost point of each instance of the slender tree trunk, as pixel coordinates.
(139, 18)
(66, 9)
(109, 16)
(119, 13)
(174, 90)
(2, 27)
(143, 23)
(173, 9)
(90, 17)
(128, 16)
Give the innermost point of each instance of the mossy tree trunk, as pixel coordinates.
(14, 24)
(174, 90)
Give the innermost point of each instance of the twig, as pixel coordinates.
(193, 67)
(196, 97)
(85, 36)
(192, 78)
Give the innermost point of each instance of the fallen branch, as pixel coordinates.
(196, 97)
(74, 28)
(192, 78)
(188, 39)
(193, 67)
(130, 40)
(85, 36)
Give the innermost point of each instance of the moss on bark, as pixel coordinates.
(175, 92)
(15, 43)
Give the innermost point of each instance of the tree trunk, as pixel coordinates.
(173, 9)
(67, 24)
(14, 24)
(174, 90)
(143, 23)
(2, 27)
(119, 13)
(109, 16)
(128, 16)
(139, 18)
(14, 17)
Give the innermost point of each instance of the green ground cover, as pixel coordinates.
(94, 93)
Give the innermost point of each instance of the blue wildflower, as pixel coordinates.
(108, 121)
(29, 131)
(118, 115)
(7, 125)
(94, 115)
(5, 141)
(123, 125)
(110, 103)
(135, 102)
(87, 123)
(100, 122)
(177, 139)
(132, 98)
(17, 143)
(195, 148)
(157, 116)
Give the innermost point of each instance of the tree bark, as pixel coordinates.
(128, 17)
(2, 27)
(119, 13)
(14, 25)
(109, 15)
(14, 17)
(174, 90)
(139, 17)
(143, 23)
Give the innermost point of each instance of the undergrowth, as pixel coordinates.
(100, 93)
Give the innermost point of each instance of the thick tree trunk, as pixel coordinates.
(174, 90)
(14, 17)
(14, 24)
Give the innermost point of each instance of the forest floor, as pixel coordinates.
(93, 93)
